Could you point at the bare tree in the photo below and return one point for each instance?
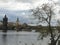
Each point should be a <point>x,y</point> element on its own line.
<point>44,14</point>
<point>58,25</point>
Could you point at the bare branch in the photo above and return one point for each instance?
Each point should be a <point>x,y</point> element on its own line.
<point>57,38</point>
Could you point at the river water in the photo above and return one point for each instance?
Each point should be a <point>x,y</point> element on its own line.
<point>18,38</point>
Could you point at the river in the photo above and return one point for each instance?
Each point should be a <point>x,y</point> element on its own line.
<point>18,38</point>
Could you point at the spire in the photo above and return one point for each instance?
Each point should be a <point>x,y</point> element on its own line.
<point>5,16</point>
<point>5,22</point>
<point>17,20</point>
<point>17,24</point>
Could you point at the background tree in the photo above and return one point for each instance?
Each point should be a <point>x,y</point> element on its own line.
<point>45,14</point>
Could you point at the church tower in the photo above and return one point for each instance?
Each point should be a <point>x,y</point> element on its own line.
<point>17,24</point>
<point>5,22</point>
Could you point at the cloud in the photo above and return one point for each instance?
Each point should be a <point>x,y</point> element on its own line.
<point>26,1</point>
<point>2,15</point>
<point>20,4</point>
<point>15,6</point>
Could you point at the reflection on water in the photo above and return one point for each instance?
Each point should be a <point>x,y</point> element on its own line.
<point>15,38</point>
<point>4,36</point>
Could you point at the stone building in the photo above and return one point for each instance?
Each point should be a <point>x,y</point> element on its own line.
<point>5,22</point>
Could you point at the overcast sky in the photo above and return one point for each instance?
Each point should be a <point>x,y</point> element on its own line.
<point>21,4</point>
<point>15,8</point>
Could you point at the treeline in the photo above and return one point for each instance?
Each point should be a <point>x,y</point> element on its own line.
<point>26,27</point>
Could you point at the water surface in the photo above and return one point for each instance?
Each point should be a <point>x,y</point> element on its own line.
<point>18,38</point>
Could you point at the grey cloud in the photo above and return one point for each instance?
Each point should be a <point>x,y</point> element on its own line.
<point>25,1</point>
<point>4,0</point>
<point>16,1</point>
<point>58,2</point>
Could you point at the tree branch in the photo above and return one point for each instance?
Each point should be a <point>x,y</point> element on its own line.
<point>57,38</point>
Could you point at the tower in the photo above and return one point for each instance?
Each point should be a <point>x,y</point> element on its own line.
<point>17,24</point>
<point>5,22</point>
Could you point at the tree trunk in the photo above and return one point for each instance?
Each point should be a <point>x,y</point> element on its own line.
<point>52,37</point>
